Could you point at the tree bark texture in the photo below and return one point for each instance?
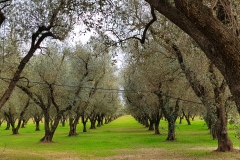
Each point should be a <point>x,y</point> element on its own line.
<point>171,118</point>
<point>170,115</point>
<point>15,128</point>
<point>73,130</point>
<point>47,137</point>
<point>15,131</point>
<point>73,122</point>
<point>171,130</point>
<point>224,143</point>
<point>220,128</point>
<point>48,128</point>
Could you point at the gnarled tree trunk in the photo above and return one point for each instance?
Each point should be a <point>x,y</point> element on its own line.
<point>224,143</point>
<point>93,124</point>
<point>171,130</point>
<point>73,122</point>
<point>15,131</point>
<point>47,137</point>
<point>170,115</point>
<point>73,127</point>
<point>171,118</point>
<point>72,130</point>
<point>48,127</point>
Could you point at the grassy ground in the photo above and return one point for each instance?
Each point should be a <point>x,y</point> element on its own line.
<point>123,138</point>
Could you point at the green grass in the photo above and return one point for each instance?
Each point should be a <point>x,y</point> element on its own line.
<point>122,137</point>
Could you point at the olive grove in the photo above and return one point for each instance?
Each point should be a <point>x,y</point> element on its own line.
<point>181,60</point>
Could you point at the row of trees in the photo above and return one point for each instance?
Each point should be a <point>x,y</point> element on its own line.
<point>181,84</point>
<point>62,83</point>
<point>59,82</point>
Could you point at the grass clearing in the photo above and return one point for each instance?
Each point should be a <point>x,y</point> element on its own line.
<point>123,138</point>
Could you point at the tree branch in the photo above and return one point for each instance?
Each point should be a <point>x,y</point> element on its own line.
<point>3,1</point>
<point>31,95</point>
<point>154,18</point>
<point>2,17</point>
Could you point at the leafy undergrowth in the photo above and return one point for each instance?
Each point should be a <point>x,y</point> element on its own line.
<point>123,138</point>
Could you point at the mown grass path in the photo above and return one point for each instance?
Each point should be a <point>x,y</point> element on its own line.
<point>123,138</point>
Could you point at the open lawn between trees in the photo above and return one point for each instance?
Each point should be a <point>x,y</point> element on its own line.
<point>122,139</point>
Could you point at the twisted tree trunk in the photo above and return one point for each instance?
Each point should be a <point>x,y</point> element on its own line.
<point>73,122</point>
<point>171,118</point>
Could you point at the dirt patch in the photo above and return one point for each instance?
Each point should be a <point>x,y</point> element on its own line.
<point>211,148</point>
<point>8,154</point>
<point>127,154</point>
<point>146,154</point>
<point>163,154</point>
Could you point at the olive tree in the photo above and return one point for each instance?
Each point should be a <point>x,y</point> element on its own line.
<point>44,74</point>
